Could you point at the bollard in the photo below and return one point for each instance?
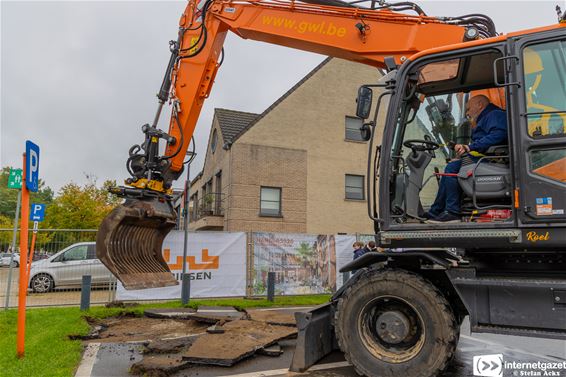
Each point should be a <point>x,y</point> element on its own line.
<point>345,277</point>
<point>85,292</point>
<point>185,289</point>
<point>270,286</point>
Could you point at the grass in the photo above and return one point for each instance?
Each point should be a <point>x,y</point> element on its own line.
<point>50,353</point>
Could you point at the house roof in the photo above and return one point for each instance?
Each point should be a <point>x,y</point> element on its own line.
<point>232,122</point>
<point>281,99</point>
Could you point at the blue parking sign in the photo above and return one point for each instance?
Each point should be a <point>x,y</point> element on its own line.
<point>32,166</point>
<point>37,212</point>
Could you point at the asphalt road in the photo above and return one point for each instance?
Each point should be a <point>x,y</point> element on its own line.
<point>114,360</point>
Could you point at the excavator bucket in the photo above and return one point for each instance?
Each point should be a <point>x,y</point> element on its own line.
<point>129,242</point>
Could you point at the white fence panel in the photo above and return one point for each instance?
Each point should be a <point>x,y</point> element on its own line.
<point>216,263</point>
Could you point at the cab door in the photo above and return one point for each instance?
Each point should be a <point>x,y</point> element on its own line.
<point>540,140</point>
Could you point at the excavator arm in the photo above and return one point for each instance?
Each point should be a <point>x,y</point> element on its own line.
<point>130,238</point>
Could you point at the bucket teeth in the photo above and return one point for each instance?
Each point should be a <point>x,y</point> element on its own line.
<point>129,243</point>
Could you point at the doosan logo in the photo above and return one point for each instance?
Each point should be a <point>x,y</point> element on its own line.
<point>488,365</point>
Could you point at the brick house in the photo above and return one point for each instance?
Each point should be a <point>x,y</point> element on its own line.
<point>298,167</point>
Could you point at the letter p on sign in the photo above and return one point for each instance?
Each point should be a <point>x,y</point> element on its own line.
<point>32,166</point>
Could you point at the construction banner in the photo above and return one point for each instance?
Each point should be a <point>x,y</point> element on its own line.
<point>303,263</point>
<point>216,263</point>
<point>344,255</point>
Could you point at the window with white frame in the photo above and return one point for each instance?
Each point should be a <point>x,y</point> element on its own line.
<point>270,201</point>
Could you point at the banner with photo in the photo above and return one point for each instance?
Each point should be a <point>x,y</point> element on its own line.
<point>303,263</point>
<point>216,263</point>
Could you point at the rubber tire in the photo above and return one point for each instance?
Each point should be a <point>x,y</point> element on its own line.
<point>15,264</point>
<point>49,288</point>
<point>440,326</point>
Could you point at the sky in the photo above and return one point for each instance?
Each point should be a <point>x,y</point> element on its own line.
<point>79,78</point>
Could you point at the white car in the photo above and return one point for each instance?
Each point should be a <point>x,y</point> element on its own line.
<point>67,267</point>
<point>5,259</point>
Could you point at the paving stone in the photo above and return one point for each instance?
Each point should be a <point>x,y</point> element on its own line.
<point>273,351</point>
<point>215,329</point>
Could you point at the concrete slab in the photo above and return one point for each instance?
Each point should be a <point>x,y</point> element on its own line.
<point>176,313</point>
<point>240,340</point>
<point>214,314</point>
<point>273,317</point>
<point>170,345</point>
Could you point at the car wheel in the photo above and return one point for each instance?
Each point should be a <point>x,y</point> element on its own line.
<point>15,264</point>
<point>42,283</point>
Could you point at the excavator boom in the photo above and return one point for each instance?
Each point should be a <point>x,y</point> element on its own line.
<point>130,238</point>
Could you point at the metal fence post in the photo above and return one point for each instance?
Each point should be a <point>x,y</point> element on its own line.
<point>185,288</point>
<point>85,292</point>
<point>270,286</point>
<point>249,264</point>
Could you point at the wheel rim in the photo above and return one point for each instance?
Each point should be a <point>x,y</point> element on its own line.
<point>391,329</point>
<point>41,283</point>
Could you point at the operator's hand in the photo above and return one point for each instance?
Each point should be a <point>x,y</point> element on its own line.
<point>461,149</point>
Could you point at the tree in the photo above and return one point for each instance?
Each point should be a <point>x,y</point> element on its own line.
<point>77,207</point>
<point>9,197</point>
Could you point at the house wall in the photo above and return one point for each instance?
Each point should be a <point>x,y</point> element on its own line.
<point>312,119</point>
<point>254,166</point>
<point>216,162</point>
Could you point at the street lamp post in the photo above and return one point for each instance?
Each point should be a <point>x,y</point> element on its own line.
<point>185,280</point>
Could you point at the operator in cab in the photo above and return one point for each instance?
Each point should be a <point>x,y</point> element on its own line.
<point>489,128</point>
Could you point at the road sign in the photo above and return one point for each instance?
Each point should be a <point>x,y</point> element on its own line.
<point>37,212</point>
<point>32,166</point>
<point>15,179</point>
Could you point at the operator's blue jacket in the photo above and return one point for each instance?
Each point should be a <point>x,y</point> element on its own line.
<point>491,129</point>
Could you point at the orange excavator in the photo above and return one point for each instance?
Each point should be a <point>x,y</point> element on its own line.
<point>130,238</point>
<point>501,263</point>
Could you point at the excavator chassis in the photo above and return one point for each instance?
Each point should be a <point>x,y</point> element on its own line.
<point>130,238</point>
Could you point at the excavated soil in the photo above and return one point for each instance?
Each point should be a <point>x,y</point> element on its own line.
<point>118,330</point>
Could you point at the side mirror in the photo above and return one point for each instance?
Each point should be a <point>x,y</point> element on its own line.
<point>364,102</point>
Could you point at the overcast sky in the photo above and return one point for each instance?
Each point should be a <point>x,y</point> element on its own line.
<point>79,78</point>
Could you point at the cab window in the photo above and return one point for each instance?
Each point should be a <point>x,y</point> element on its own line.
<point>545,88</point>
<point>76,253</point>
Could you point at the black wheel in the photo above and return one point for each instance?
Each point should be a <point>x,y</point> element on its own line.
<point>395,323</point>
<point>42,283</point>
<point>15,264</point>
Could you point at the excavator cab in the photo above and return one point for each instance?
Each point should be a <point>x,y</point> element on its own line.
<point>501,188</point>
